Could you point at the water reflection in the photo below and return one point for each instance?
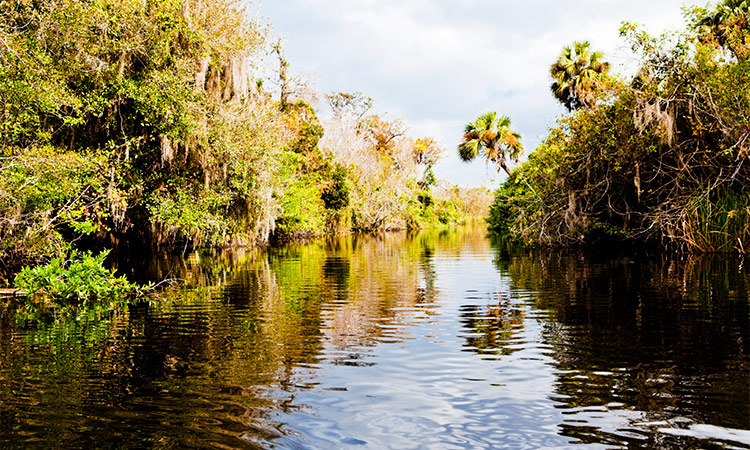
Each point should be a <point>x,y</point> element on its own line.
<point>428,340</point>
<point>494,329</point>
<point>662,337</point>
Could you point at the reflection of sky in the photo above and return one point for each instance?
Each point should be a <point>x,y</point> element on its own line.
<point>408,376</point>
<point>439,63</point>
<point>422,387</point>
<point>388,342</point>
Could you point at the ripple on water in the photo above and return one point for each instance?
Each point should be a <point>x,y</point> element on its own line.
<point>450,342</point>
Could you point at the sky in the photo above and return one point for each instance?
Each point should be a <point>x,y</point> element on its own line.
<point>438,64</point>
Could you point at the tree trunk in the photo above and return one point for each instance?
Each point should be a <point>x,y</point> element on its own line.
<point>502,164</point>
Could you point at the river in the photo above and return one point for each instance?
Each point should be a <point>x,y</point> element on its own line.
<point>431,340</point>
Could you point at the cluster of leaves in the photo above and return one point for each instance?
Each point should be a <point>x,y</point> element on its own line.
<point>313,192</point>
<point>42,188</point>
<point>78,281</point>
<point>448,204</point>
<point>127,121</point>
<point>662,158</point>
<point>336,195</point>
<point>491,136</point>
<point>578,73</point>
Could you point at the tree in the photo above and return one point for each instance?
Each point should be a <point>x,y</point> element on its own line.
<point>727,25</point>
<point>354,104</point>
<point>490,136</point>
<point>427,151</point>
<point>577,74</point>
<point>283,75</point>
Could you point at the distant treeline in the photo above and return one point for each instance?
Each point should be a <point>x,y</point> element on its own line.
<point>661,157</point>
<point>150,124</point>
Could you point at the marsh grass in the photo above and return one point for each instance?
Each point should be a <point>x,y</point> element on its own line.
<point>717,225</point>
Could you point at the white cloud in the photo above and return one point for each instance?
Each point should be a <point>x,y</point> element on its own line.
<point>439,63</point>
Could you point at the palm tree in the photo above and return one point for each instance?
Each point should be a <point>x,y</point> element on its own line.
<point>729,25</point>
<point>490,136</point>
<point>577,73</point>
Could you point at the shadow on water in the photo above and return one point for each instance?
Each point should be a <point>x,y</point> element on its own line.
<point>663,335</point>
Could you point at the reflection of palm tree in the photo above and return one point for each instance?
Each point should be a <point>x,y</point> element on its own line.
<point>577,72</point>
<point>490,136</point>
<point>493,329</point>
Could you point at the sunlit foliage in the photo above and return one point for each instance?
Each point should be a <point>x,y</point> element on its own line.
<point>665,160</point>
<point>144,124</point>
<point>491,137</point>
<point>578,74</point>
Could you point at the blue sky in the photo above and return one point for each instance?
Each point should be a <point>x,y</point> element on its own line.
<point>437,64</point>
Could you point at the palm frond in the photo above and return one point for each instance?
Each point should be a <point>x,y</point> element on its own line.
<point>486,121</point>
<point>469,150</point>
<point>577,74</point>
<point>490,136</point>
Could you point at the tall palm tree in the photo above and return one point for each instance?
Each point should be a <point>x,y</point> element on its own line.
<point>577,73</point>
<point>490,136</point>
<point>729,25</point>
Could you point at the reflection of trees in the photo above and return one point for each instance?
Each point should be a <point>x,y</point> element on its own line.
<point>215,359</point>
<point>380,285</point>
<point>664,336</point>
<point>493,329</point>
<point>495,326</point>
<point>208,267</point>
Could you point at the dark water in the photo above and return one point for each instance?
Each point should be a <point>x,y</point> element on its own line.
<point>437,341</point>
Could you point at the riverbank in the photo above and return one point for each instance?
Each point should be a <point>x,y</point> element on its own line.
<point>659,158</point>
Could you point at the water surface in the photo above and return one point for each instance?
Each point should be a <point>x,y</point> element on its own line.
<point>433,340</point>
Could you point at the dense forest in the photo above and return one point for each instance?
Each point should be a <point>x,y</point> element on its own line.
<point>156,126</point>
<point>659,158</point>
<point>144,124</point>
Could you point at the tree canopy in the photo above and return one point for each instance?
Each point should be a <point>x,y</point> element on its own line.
<point>577,74</point>
<point>664,160</point>
<point>491,137</point>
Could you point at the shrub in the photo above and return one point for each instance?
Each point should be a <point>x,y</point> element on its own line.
<point>78,281</point>
<point>336,194</point>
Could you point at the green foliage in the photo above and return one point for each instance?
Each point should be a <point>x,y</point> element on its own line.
<point>726,25</point>
<point>200,214</point>
<point>428,179</point>
<point>301,206</point>
<point>664,160</point>
<point>48,195</point>
<point>443,207</point>
<point>335,196</point>
<point>490,136</point>
<point>578,74</point>
<point>78,281</point>
<point>130,122</point>
<point>303,122</point>
<point>155,105</point>
<point>506,203</point>
<point>721,224</point>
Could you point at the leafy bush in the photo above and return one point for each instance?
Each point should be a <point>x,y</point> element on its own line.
<point>79,280</point>
<point>336,194</point>
<point>301,209</point>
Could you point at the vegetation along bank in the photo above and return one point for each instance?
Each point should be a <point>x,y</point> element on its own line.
<point>156,125</point>
<point>152,124</point>
<point>658,158</point>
